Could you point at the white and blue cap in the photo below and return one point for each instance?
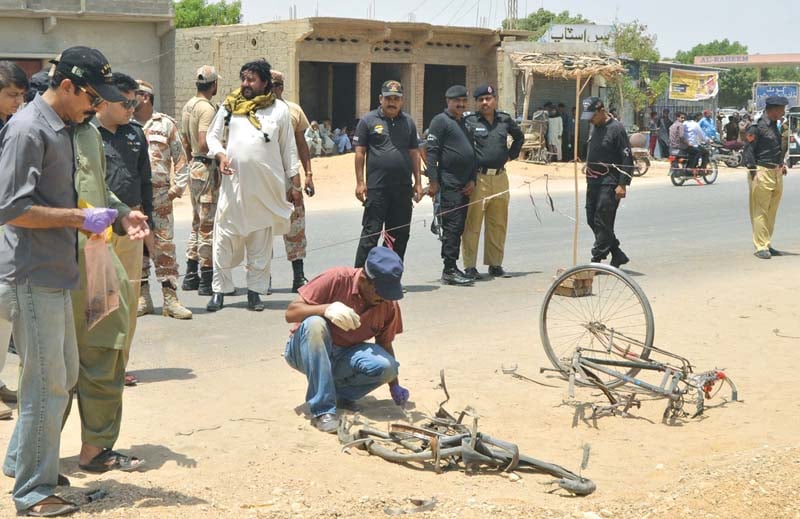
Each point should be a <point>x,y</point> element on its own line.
<point>385,269</point>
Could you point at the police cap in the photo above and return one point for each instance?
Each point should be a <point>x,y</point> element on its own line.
<point>485,90</point>
<point>776,101</point>
<point>456,91</point>
<point>590,106</point>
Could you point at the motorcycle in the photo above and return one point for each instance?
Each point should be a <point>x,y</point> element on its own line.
<point>731,157</point>
<point>679,173</point>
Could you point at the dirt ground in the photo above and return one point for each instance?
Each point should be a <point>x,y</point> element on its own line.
<point>222,444</point>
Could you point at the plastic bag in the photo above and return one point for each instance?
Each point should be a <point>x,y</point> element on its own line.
<point>102,285</point>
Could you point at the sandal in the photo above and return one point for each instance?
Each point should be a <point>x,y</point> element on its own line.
<point>52,506</point>
<point>130,379</point>
<point>121,462</point>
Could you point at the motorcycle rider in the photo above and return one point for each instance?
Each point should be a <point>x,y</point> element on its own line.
<point>732,141</point>
<point>708,126</point>
<point>696,137</point>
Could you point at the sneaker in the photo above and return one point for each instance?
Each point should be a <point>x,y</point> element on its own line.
<point>454,276</point>
<point>327,423</point>
<point>618,258</point>
<point>498,272</point>
<point>763,254</point>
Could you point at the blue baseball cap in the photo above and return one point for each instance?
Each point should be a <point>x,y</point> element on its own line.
<point>385,269</point>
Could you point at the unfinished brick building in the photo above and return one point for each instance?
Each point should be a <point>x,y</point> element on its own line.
<point>334,67</point>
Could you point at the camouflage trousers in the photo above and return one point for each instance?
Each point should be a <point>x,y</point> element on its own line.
<point>204,195</point>
<point>295,239</point>
<point>163,227</point>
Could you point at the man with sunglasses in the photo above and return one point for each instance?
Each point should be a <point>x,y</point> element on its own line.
<point>39,266</point>
<point>128,176</point>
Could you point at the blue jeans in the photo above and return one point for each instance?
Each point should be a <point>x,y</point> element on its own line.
<point>44,334</point>
<point>334,372</point>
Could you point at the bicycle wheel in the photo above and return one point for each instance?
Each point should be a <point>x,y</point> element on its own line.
<point>676,178</point>
<point>641,166</point>
<point>600,308</point>
<point>712,172</point>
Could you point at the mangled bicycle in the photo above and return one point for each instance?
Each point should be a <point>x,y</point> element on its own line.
<point>597,330</point>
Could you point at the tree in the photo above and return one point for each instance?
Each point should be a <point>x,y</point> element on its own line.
<point>633,41</point>
<point>197,13</point>
<point>538,21</point>
<point>736,84</point>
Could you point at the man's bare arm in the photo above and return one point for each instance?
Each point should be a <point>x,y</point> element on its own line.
<point>41,217</point>
<point>299,310</point>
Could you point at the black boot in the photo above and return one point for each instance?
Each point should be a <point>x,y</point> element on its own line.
<point>216,303</point>
<point>254,301</point>
<point>453,276</point>
<point>206,276</point>
<point>299,276</point>
<point>191,281</point>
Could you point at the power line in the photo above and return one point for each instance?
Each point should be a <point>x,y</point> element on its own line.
<point>451,2</point>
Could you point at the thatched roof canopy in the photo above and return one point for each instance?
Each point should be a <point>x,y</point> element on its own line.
<point>567,66</point>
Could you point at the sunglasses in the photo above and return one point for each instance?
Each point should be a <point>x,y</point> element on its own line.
<point>129,104</point>
<point>94,97</point>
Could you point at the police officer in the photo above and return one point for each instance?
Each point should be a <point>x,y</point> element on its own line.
<point>491,129</point>
<point>387,139</point>
<point>609,166</point>
<point>452,168</point>
<point>763,156</point>
<point>166,156</point>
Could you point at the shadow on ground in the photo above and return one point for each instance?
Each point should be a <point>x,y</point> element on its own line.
<point>148,376</point>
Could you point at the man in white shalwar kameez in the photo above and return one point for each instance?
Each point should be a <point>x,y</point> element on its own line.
<point>260,160</point>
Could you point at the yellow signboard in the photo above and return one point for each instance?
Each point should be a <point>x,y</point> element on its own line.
<point>692,85</point>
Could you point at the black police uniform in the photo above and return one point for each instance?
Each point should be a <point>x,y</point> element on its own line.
<point>128,172</point>
<point>608,144</point>
<point>491,152</point>
<point>389,173</point>
<point>451,162</point>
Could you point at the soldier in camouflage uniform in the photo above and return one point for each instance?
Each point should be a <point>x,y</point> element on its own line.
<point>295,240</point>
<point>204,181</point>
<point>166,156</point>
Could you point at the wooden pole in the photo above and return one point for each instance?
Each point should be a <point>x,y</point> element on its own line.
<point>527,102</point>
<point>575,169</point>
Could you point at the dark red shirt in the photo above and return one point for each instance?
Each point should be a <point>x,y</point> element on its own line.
<point>382,321</point>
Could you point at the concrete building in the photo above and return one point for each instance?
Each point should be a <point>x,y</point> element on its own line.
<point>334,67</point>
<point>133,34</point>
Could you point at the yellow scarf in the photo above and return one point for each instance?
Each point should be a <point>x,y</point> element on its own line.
<point>236,104</point>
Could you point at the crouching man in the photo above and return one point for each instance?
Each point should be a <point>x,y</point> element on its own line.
<point>336,314</point>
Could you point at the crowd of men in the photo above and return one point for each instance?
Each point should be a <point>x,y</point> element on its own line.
<point>88,165</point>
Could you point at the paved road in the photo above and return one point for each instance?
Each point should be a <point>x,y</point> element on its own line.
<point>670,233</point>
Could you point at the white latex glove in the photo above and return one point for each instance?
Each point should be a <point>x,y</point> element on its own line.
<point>342,316</point>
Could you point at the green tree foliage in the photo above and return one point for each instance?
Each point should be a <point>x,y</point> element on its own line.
<point>538,21</point>
<point>735,85</point>
<point>633,41</point>
<point>198,13</point>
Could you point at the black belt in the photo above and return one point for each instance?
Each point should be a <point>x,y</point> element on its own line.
<point>204,160</point>
<point>491,171</point>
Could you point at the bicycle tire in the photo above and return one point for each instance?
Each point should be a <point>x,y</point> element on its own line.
<point>553,327</point>
<point>709,178</point>
<point>676,178</point>
<point>641,166</point>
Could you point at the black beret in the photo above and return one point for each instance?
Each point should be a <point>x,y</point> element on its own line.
<point>485,90</point>
<point>456,91</point>
<point>777,101</point>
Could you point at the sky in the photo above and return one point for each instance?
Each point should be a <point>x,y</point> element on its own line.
<point>677,24</point>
